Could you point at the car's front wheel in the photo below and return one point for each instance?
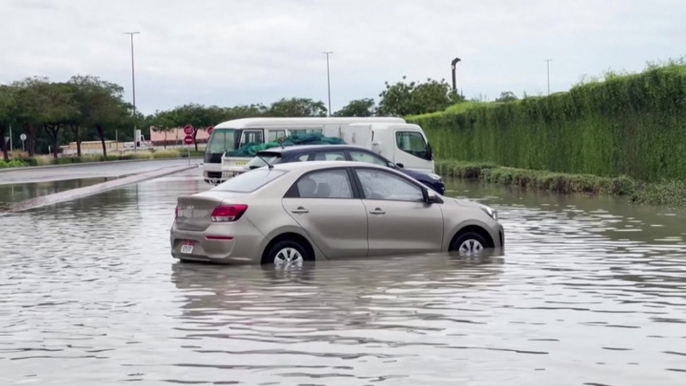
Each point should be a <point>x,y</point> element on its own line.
<point>287,253</point>
<point>469,244</point>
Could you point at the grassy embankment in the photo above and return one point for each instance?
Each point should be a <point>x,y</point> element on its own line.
<point>20,160</point>
<point>624,135</point>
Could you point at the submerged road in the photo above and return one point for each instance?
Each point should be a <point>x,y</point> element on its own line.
<point>86,171</point>
<point>589,292</point>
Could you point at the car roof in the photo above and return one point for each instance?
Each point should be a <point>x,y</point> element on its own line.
<point>305,148</point>
<point>315,165</point>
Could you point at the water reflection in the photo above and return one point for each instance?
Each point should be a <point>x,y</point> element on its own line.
<point>11,193</point>
<point>89,295</point>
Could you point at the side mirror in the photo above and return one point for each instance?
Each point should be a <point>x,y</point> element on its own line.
<point>431,197</point>
<point>400,166</point>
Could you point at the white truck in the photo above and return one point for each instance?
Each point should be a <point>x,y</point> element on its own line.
<point>394,138</point>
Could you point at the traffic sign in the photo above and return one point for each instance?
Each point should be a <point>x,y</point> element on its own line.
<point>188,129</point>
<point>209,130</point>
<point>22,137</point>
<point>188,140</point>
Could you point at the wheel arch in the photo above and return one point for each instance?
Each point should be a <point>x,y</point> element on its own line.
<point>476,228</point>
<point>294,236</point>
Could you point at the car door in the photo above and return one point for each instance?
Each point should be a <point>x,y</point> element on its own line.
<point>399,220</point>
<point>323,203</point>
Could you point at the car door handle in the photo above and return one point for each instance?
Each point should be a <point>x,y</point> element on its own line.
<point>377,211</point>
<point>300,210</point>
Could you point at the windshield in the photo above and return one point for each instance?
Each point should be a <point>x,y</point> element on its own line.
<point>222,140</point>
<point>413,143</point>
<point>250,181</point>
<point>258,162</point>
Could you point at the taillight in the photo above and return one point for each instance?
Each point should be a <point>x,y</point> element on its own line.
<point>228,213</point>
<point>176,212</point>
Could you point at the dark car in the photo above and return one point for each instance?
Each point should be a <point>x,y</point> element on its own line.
<point>339,153</point>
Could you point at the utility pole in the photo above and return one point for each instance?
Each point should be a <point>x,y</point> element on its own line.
<point>548,65</point>
<point>328,80</point>
<point>11,146</point>
<point>133,83</point>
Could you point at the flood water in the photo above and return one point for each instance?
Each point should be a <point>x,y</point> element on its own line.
<point>588,292</point>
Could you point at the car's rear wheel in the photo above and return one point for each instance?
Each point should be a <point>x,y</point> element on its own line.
<point>288,253</point>
<point>469,244</point>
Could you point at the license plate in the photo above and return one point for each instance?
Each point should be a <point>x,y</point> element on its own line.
<point>241,163</point>
<point>187,247</point>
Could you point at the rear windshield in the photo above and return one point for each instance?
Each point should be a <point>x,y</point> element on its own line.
<point>250,181</point>
<point>258,162</point>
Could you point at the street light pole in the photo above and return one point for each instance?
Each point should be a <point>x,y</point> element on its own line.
<point>453,66</point>
<point>548,66</point>
<point>133,83</point>
<point>328,80</point>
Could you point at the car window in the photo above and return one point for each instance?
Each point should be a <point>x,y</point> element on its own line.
<point>249,181</point>
<point>361,156</point>
<point>329,156</point>
<point>258,162</point>
<point>325,184</point>
<point>303,157</point>
<point>413,143</point>
<point>381,185</point>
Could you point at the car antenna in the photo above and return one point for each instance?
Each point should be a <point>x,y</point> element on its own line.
<point>270,166</point>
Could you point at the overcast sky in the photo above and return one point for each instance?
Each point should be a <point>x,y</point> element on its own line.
<point>229,52</point>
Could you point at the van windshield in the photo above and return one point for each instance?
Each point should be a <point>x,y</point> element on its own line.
<point>222,140</point>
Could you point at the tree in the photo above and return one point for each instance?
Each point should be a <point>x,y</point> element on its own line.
<point>297,107</point>
<point>101,105</point>
<point>358,108</point>
<point>402,99</point>
<point>162,121</point>
<point>7,115</point>
<point>59,109</point>
<point>507,96</point>
<point>30,100</point>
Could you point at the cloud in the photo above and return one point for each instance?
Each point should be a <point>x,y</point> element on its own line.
<point>232,52</point>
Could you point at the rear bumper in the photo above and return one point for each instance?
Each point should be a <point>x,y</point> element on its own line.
<point>243,247</point>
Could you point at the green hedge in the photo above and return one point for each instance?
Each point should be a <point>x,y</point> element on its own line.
<point>632,125</point>
<point>671,194</point>
<point>12,164</point>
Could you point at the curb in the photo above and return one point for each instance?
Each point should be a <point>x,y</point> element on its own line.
<point>3,170</point>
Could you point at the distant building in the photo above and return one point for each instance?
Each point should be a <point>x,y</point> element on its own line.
<point>174,137</point>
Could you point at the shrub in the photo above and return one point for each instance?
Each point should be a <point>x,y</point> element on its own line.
<point>12,164</point>
<point>630,125</point>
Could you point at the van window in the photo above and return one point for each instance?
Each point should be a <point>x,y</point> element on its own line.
<point>274,135</point>
<point>412,142</point>
<point>252,136</point>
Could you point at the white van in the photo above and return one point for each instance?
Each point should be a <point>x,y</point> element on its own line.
<point>393,138</point>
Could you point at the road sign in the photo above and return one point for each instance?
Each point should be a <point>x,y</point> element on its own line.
<point>188,140</point>
<point>209,130</point>
<point>22,137</point>
<point>188,129</point>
